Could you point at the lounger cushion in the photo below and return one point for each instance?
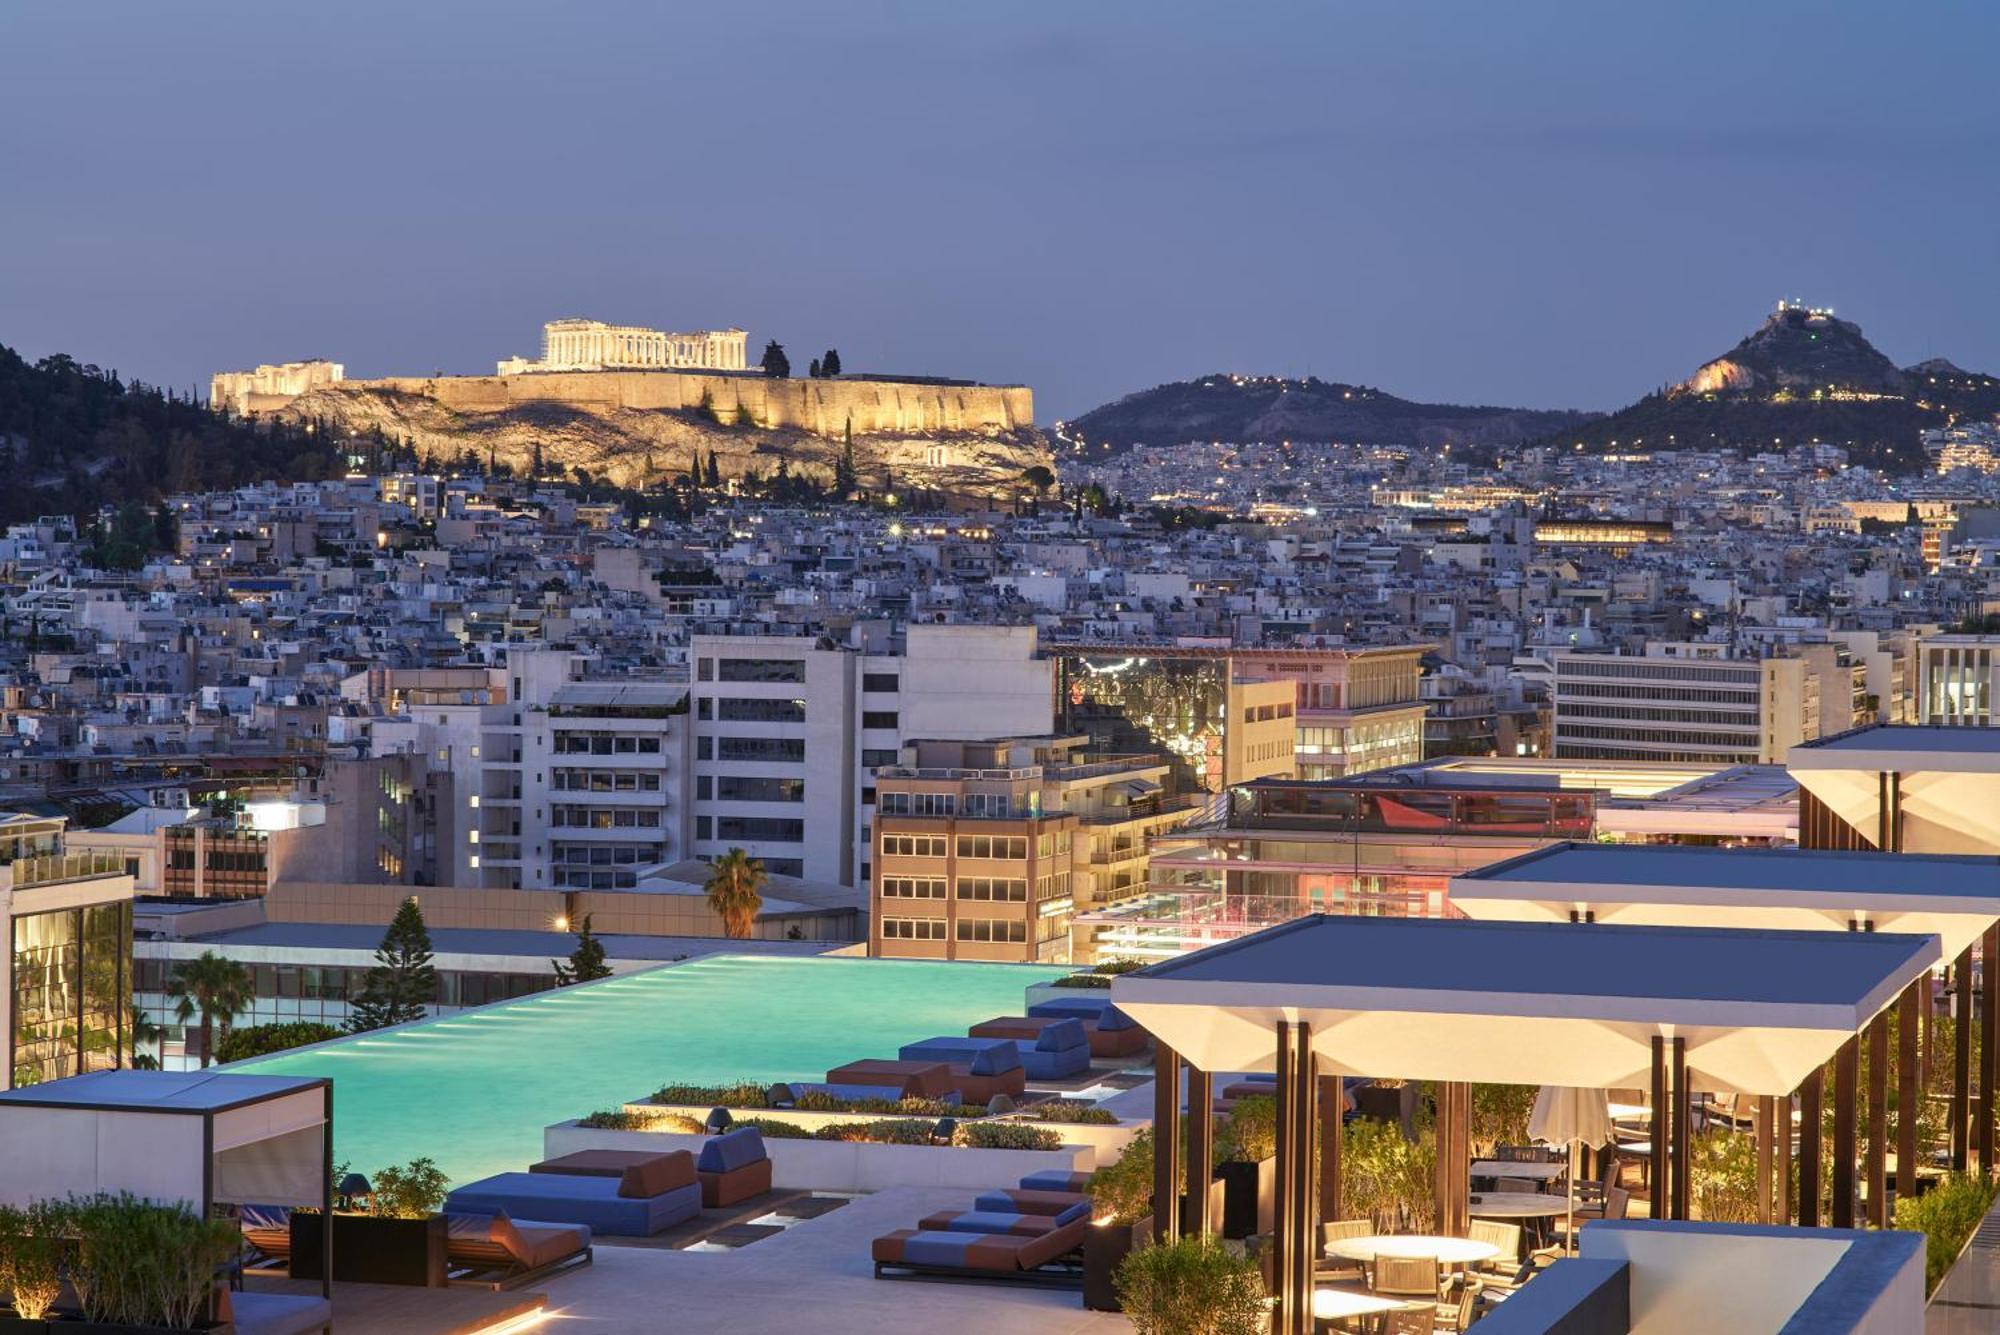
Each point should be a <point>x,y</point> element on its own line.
<point>1055,1179</point>
<point>561,1199</point>
<point>982,1056</point>
<point>534,1244</point>
<point>733,1150</point>
<point>254,1312</point>
<point>997,1252</point>
<point>659,1174</point>
<point>1092,1010</point>
<point>1012,1200</point>
<point>930,1078</point>
<point>987,1221</point>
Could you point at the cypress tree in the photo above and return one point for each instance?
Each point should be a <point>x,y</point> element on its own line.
<point>586,962</point>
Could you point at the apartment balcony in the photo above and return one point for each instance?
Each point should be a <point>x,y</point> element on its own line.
<point>61,869</point>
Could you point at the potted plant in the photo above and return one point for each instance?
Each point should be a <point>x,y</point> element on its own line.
<point>1122,1196</point>
<point>1246,1165</point>
<point>1193,1286</point>
<point>400,1240</point>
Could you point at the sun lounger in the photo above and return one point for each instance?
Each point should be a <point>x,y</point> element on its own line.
<point>645,1199</point>
<point>1017,1200</point>
<point>1052,1047</point>
<point>934,1253</point>
<point>1056,1179</point>
<point>980,1067</point>
<point>597,1163</point>
<point>268,1228</point>
<point>1111,1032</point>
<point>260,1313</point>
<point>925,1079</point>
<point>498,1252</point>
<point>990,1221</point>
<point>733,1167</point>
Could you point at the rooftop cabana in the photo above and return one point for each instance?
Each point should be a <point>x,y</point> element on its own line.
<point>1954,897</point>
<point>195,1137</point>
<point>1458,1002</point>
<point>1900,789</point>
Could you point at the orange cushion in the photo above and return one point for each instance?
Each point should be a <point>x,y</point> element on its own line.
<point>657,1175</point>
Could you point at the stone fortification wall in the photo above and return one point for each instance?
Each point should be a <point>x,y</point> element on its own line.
<point>822,407</point>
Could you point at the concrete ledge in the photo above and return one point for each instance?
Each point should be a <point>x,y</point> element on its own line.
<point>831,1165</point>
<point>1572,1297</point>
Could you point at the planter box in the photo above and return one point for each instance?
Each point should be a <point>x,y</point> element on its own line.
<point>1108,1140</point>
<point>1104,1246</point>
<point>76,1325</point>
<point>832,1165</point>
<point>1249,1196</point>
<point>372,1250</point>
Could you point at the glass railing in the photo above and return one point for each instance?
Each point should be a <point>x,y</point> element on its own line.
<point>56,868</point>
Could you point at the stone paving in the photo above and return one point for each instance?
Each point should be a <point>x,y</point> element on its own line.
<point>815,1277</point>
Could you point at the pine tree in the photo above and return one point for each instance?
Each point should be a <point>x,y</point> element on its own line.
<point>538,464</point>
<point>844,478</point>
<point>829,365</point>
<point>813,369</point>
<point>586,962</point>
<point>714,470</point>
<point>775,363</point>
<point>403,983</point>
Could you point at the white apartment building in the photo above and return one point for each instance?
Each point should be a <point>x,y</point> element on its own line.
<point>788,733</point>
<point>1688,702</point>
<point>1958,680</point>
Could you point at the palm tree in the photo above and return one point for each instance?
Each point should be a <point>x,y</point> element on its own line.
<point>734,889</point>
<point>145,1034</point>
<point>213,988</point>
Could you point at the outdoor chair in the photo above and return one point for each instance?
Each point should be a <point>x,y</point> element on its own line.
<point>1460,1309</point>
<point>1524,1185</point>
<point>641,1201</point>
<point>925,1253</point>
<point>1506,1240</point>
<point>496,1252</point>
<point>1407,1276</point>
<point>1338,1269</point>
<point>733,1168</point>
<point>1512,1153</point>
<point>1420,1322</point>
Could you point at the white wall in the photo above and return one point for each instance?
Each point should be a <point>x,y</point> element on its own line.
<point>1742,1283</point>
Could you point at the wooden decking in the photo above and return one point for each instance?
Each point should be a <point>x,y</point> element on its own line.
<point>394,1309</point>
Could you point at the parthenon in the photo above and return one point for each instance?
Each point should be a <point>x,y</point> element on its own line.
<point>592,345</point>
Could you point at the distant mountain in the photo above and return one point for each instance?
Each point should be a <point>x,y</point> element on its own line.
<point>75,436</point>
<point>1803,377</point>
<point>1241,408</point>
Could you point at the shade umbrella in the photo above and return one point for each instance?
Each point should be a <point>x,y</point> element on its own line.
<point>1570,1117</point>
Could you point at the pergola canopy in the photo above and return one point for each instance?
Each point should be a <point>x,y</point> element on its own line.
<point>1952,896</point>
<point>192,1136</point>
<point>1947,783</point>
<point>1527,1003</point>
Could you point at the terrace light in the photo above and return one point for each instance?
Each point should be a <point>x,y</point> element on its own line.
<point>718,1121</point>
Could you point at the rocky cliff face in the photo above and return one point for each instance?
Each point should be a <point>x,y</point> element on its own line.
<point>1802,351</point>
<point>638,446</point>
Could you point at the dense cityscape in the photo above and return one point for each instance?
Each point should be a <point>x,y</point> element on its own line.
<point>670,830</point>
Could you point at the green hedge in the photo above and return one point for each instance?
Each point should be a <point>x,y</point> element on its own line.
<point>260,1039</point>
<point>1946,1215</point>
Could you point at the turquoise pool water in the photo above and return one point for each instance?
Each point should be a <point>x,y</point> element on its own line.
<point>474,1090</point>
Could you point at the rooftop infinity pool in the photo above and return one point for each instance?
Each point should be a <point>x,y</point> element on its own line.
<point>474,1090</point>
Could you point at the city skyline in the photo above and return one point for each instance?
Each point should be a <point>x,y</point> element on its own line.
<point>1447,204</point>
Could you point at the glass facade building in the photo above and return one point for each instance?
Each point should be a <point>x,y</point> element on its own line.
<point>71,981</point>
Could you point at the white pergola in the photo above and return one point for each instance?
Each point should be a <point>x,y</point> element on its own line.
<point>1676,1009</point>
<point>1903,789</point>
<point>1953,897</point>
<point>189,1137</point>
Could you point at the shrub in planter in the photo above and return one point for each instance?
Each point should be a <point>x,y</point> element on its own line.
<point>773,1128</point>
<point>621,1119</point>
<point>1006,1136</point>
<point>140,1264</point>
<point>1251,1133</point>
<point>31,1257</point>
<point>414,1191</point>
<point>1122,1192</point>
<point>1192,1286</point>
<point>894,1131</point>
<point>1725,1177</point>
<point>741,1094</point>
<point>1072,1112</point>
<point>1946,1216</point>
<point>1383,1176</point>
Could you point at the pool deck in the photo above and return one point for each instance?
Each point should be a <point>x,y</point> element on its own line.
<point>816,1275</point>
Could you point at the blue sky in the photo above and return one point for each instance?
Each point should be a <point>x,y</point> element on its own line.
<point>1530,203</point>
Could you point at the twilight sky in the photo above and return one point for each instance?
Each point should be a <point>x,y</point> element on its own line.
<point>1526,203</point>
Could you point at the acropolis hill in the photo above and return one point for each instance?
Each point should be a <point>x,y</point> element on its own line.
<point>632,424</point>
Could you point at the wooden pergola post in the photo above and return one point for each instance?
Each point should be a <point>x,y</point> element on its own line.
<point>1846,1093</point>
<point>1196,1218</point>
<point>1683,1141</point>
<point>1661,1112</point>
<point>1767,1130</point>
<point>1878,1121</point>
<point>1810,1097</point>
<point>1989,1050</point>
<point>1166,1142</point>
<point>1452,1183</point>
<point>1292,1245</point>
<point>1909,1083</point>
<point>1332,1112</point>
<point>1961,1088</point>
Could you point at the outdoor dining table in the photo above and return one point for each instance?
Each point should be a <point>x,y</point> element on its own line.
<point>1447,1251</point>
<point>1343,1305</point>
<point>1532,1170</point>
<point>1517,1205</point>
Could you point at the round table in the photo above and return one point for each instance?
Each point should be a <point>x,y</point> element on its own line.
<point>1532,1171</point>
<point>1518,1205</point>
<point>1339,1304</point>
<point>1446,1251</point>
